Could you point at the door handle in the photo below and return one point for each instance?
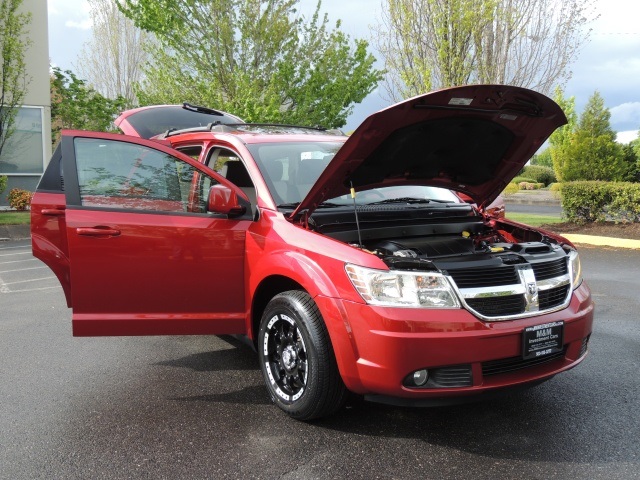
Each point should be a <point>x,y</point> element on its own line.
<point>54,212</point>
<point>97,232</point>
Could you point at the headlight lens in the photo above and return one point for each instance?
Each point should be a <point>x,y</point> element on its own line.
<point>402,289</point>
<point>576,269</point>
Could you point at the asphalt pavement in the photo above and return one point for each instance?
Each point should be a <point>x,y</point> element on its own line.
<point>196,407</point>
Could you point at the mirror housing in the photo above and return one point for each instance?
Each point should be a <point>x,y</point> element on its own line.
<point>224,200</point>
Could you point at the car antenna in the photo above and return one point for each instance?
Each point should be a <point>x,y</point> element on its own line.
<point>355,211</point>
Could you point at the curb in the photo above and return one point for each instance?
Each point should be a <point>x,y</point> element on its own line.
<point>602,241</point>
<point>15,232</point>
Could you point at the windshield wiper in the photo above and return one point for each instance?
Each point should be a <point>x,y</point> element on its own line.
<point>405,200</point>
<point>288,205</point>
<point>322,205</point>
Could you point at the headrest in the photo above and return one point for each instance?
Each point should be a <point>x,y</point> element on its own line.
<point>236,173</point>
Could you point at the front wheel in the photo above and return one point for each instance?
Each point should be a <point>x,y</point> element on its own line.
<point>297,359</point>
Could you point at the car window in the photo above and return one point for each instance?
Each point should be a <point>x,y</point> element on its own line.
<point>191,150</point>
<point>129,176</point>
<point>291,168</point>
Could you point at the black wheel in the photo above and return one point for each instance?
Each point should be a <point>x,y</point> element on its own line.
<point>297,359</point>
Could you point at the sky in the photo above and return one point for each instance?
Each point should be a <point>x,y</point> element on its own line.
<point>609,62</point>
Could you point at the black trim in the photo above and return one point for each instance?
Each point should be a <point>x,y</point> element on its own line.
<point>72,188</point>
<point>469,397</point>
<point>51,181</point>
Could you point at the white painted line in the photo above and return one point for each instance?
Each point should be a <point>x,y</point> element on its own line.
<point>14,247</point>
<point>32,289</point>
<point>22,269</point>
<point>15,253</point>
<point>25,281</point>
<point>19,261</point>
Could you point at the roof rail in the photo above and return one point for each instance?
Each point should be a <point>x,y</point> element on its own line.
<point>219,127</point>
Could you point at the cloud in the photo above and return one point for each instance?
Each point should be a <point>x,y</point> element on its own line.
<point>84,24</point>
<point>626,137</point>
<point>628,112</point>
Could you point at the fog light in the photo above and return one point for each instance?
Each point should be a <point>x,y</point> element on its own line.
<point>420,377</point>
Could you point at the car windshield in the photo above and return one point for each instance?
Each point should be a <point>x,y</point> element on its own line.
<point>291,168</point>
<point>399,194</point>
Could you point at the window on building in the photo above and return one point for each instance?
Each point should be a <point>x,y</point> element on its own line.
<point>23,153</point>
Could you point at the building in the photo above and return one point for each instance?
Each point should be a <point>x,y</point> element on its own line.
<point>28,151</point>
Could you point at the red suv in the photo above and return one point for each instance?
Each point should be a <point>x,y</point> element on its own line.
<point>348,262</point>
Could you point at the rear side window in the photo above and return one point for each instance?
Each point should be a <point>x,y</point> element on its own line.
<point>129,176</point>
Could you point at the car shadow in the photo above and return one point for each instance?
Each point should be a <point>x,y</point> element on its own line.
<point>239,357</point>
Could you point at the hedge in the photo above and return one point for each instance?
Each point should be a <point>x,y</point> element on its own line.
<point>539,174</point>
<point>596,201</point>
<point>523,179</point>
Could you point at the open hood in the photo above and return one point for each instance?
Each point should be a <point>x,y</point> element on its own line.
<point>472,139</point>
<point>147,122</point>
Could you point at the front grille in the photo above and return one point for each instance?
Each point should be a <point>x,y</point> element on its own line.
<point>484,277</point>
<point>553,297</point>
<point>553,269</point>
<point>498,306</point>
<point>506,365</point>
<point>449,377</point>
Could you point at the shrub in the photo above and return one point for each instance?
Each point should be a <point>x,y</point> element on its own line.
<point>510,189</point>
<point>19,199</point>
<point>555,187</point>
<point>539,174</point>
<point>3,182</point>
<point>595,201</point>
<point>530,186</point>
<point>520,179</point>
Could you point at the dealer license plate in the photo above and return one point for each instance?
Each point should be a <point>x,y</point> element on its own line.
<point>542,340</point>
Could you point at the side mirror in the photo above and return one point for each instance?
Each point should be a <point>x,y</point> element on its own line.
<point>224,200</point>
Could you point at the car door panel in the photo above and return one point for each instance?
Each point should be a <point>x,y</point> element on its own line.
<point>143,264</point>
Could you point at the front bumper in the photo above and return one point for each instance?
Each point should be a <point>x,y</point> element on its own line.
<point>390,343</point>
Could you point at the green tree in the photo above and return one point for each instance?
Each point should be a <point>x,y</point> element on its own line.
<point>561,137</point>
<point>591,152</point>
<point>112,60</point>
<point>543,158</point>
<point>428,44</point>
<point>257,59</point>
<point>13,75</point>
<point>631,160</point>
<point>74,105</point>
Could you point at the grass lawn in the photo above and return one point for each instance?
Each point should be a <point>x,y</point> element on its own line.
<point>15,218</point>
<point>532,219</point>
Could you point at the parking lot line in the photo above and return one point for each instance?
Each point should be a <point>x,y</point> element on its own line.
<point>15,253</point>
<point>20,261</point>
<point>22,269</point>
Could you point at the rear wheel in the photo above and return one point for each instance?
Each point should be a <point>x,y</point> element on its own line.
<point>297,359</point>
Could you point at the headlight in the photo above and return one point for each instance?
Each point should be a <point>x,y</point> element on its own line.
<point>576,269</point>
<point>402,289</point>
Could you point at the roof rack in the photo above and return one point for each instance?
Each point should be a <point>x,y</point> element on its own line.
<point>220,127</point>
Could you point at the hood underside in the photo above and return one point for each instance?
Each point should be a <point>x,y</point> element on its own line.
<point>472,139</point>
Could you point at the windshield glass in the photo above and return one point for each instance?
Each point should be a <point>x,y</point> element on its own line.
<point>291,168</point>
<point>400,194</point>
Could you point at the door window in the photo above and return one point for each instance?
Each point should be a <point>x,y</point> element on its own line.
<point>130,176</point>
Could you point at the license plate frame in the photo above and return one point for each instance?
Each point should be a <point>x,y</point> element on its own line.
<point>539,341</point>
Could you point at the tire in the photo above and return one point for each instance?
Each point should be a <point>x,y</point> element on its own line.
<point>297,359</point>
